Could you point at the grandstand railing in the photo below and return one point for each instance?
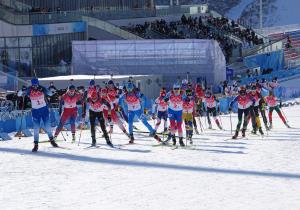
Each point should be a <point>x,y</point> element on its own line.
<point>20,18</point>
<point>264,48</point>
<point>109,28</point>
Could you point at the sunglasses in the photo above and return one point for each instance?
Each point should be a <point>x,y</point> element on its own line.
<point>176,88</point>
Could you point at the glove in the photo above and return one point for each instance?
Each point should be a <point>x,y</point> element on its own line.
<point>145,111</point>
<point>109,117</point>
<point>280,104</point>
<point>230,109</point>
<point>153,116</point>
<point>119,109</point>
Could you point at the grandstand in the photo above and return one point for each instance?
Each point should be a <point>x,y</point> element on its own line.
<point>292,52</point>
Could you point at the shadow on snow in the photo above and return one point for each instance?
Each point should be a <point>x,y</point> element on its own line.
<point>140,164</point>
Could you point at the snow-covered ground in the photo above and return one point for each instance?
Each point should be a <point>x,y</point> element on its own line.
<point>219,173</point>
<point>276,12</point>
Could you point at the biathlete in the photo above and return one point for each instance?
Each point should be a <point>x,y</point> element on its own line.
<point>40,111</point>
<point>135,103</point>
<point>69,102</point>
<point>159,110</point>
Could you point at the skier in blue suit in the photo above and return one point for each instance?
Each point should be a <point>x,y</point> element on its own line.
<point>40,111</point>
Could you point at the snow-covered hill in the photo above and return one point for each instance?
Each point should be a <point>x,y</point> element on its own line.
<point>217,173</point>
<point>275,12</point>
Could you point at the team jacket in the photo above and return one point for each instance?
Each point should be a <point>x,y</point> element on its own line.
<point>271,101</point>
<point>211,102</point>
<point>95,106</point>
<point>175,102</point>
<point>69,102</point>
<point>160,104</point>
<point>134,100</point>
<point>188,105</point>
<point>244,102</point>
<point>90,90</point>
<point>112,95</point>
<point>257,97</point>
<point>37,96</point>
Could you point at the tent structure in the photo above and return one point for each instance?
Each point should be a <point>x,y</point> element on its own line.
<point>171,58</point>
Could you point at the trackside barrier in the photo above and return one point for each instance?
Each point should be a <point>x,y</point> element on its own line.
<point>11,121</point>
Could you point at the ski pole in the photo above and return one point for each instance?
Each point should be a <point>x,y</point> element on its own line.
<point>221,121</point>
<point>21,125</point>
<point>80,134</point>
<point>205,119</point>
<point>63,136</point>
<point>201,126</point>
<point>283,114</point>
<point>230,122</point>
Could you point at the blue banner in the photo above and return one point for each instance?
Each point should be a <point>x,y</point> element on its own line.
<point>59,28</point>
<point>273,60</point>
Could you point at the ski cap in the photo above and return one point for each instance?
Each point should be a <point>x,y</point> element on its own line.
<point>129,87</point>
<point>92,82</point>
<point>110,82</point>
<point>71,87</point>
<point>35,81</point>
<point>163,92</point>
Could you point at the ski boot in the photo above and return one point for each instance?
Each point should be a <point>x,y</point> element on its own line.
<point>93,142</point>
<point>108,142</point>
<point>35,147</point>
<point>131,139</point>
<point>53,143</point>
<point>235,135</point>
<point>287,125</point>
<point>209,126</point>
<point>261,131</point>
<point>270,126</point>
<point>73,138</point>
<point>174,140</point>
<point>244,132</point>
<point>190,140</point>
<point>157,138</point>
<point>196,131</point>
<point>254,131</point>
<point>267,127</point>
<point>153,133</point>
<point>181,142</point>
<point>168,139</point>
<point>220,127</point>
<point>127,134</point>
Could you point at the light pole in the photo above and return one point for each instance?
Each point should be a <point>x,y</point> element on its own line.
<point>260,15</point>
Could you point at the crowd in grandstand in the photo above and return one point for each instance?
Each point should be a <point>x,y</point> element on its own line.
<point>203,27</point>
